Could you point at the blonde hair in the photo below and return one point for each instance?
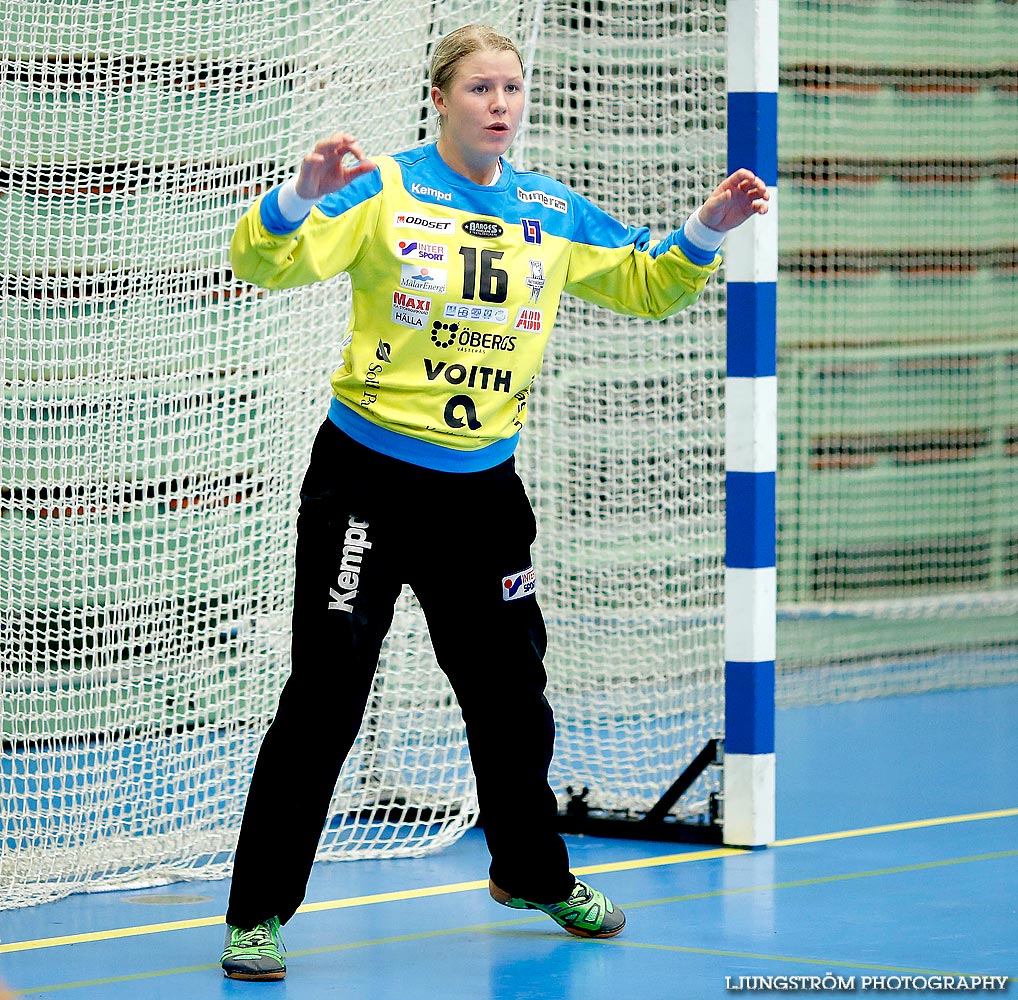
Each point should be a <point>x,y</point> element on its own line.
<point>462,42</point>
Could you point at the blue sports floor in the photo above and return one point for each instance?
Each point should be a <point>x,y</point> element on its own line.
<point>897,856</point>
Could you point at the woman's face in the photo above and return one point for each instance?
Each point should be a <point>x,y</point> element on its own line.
<point>482,106</point>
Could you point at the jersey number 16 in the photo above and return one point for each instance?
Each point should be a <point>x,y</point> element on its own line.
<point>494,282</point>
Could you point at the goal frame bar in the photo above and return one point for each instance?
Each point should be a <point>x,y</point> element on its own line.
<point>751,434</point>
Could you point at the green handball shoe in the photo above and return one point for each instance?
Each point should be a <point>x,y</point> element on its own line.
<point>586,913</point>
<point>254,953</point>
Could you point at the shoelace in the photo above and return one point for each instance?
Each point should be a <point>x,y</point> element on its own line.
<point>580,894</point>
<point>258,937</point>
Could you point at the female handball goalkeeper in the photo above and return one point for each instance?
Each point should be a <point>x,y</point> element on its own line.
<point>457,263</point>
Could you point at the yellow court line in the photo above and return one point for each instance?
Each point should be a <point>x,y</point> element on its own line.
<point>917,824</point>
<point>393,897</point>
<point>455,887</point>
<point>825,879</point>
<point>664,859</point>
<point>444,890</point>
<point>508,925</point>
<point>337,904</point>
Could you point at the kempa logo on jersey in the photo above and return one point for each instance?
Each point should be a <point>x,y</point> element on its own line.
<point>405,220</point>
<point>425,279</point>
<point>410,310</point>
<point>430,192</point>
<point>528,320</point>
<point>543,198</point>
<point>479,314</point>
<point>435,253</point>
<point>355,544</point>
<point>517,585</point>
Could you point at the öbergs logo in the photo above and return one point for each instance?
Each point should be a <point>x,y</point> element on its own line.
<point>482,229</point>
<point>517,585</point>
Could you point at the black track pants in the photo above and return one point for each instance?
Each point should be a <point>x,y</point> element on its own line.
<point>367,525</point>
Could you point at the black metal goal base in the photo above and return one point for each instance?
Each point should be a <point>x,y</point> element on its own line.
<point>657,823</point>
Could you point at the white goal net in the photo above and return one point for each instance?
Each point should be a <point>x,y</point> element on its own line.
<point>158,413</point>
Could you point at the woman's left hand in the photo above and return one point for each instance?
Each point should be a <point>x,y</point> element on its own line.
<point>734,200</point>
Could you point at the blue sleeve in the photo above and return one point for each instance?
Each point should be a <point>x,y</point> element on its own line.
<point>359,190</point>
<point>272,219</point>
<point>692,252</point>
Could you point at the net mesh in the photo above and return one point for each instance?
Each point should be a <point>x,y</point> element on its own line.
<point>898,468</point>
<point>158,415</point>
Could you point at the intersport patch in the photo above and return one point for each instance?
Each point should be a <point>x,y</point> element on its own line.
<point>517,585</point>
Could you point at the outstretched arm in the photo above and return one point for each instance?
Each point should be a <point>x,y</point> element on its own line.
<point>661,282</point>
<point>278,243</point>
<point>738,197</point>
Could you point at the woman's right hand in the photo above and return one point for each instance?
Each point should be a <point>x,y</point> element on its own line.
<point>323,170</point>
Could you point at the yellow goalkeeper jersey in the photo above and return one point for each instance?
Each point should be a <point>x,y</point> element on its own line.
<point>456,287</point>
